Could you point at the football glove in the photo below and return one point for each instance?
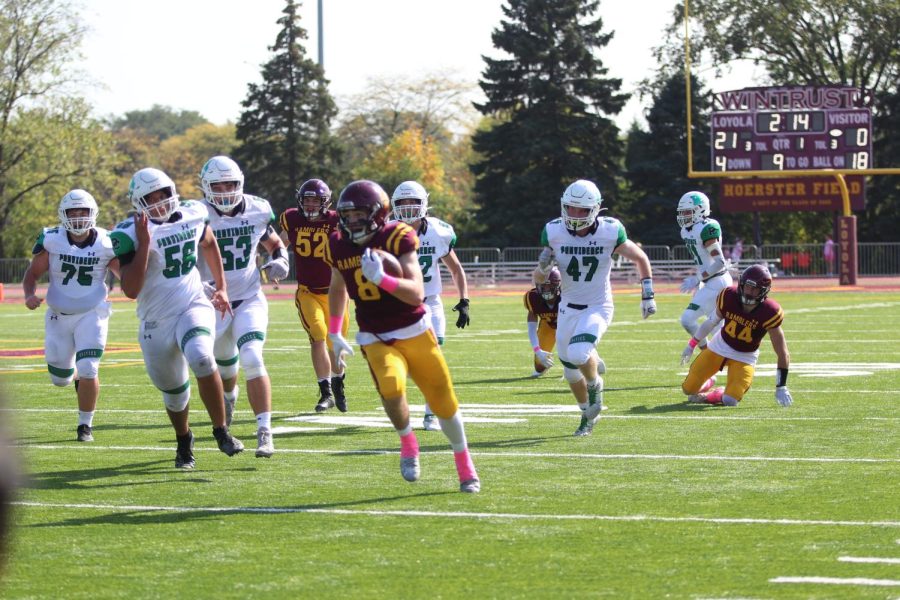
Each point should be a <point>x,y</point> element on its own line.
<point>340,347</point>
<point>544,357</point>
<point>463,308</point>
<point>783,396</point>
<point>372,268</point>
<point>648,307</point>
<point>545,260</point>
<point>278,268</point>
<point>690,284</point>
<point>686,354</point>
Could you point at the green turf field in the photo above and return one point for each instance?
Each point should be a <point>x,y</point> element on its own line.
<point>663,500</point>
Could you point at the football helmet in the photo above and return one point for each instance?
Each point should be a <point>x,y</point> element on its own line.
<point>368,198</point>
<point>692,209</point>
<point>756,276</point>
<point>314,188</point>
<point>409,212</point>
<point>221,169</point>
<point>581,194</point>
<point>145,182</point>
<point>81,224</point>
<point>550,288</point>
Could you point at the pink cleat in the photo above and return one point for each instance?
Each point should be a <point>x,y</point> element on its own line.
<point>709,383</point>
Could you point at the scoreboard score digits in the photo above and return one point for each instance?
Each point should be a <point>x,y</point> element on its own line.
<point>785,128</point>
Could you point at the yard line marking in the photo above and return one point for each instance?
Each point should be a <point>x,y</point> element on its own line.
<point>837,580</point>
<point>869,559</point>
<point>457,514</point>
<point>564,455</point>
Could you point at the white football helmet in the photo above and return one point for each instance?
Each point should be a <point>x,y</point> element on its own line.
<point>409,212</point>
<point>581,194</point>
<point>692,208</point>
<point>78,199</point>
<point>216,170</point>
<point>146,181</point>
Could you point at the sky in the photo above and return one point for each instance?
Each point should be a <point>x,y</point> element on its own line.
<point>201,54</point>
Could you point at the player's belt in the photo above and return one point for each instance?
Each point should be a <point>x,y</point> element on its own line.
<point>236,303</point>
<point>719,274</point>
<point>577,306</point>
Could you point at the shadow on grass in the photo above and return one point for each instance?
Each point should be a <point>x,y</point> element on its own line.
<point>668,408</point>
<point>85,479</point>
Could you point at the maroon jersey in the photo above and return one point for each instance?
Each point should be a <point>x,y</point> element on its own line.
<point>744,331</point>
<point>309,239</point>
<point>537,306</point>
<point>376,310</point>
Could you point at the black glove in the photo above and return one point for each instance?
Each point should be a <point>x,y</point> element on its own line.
<point>463,308</point>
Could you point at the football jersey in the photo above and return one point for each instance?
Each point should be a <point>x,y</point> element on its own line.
<point>172,281</point>
<point>695,238</point>
<point>77,273</point>
<point>539,307</point>
<point>376,310</point>
<point>585,262</point>
<point>436,240</point>
<point>238,236</point>
<point>741,332</point>
<point>309,240</point>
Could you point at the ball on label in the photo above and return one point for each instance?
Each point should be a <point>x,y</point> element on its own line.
<point>389,261</point>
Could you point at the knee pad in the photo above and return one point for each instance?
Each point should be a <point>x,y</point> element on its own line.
<point>177,402</point>
<point>229,370</point>
<point>580,353</point>
<point>88,368</point>
<point>199,354</point>
<point>252,360</point>
<point>572,375</point>
<point>61,381</point>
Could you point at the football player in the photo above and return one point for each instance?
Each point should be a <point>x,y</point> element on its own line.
<point>77,255</point>
<point>583,244</point>
<point>240,223</point>
<point>409,203</point>
<point>306,228</point>
<point>394,332</point>
<point>542,303</point>
<point>703,238</point>
<point>157,248</point>
<point>747,314</point>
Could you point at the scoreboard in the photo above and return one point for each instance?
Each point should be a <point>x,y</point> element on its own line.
<point>789,128</point>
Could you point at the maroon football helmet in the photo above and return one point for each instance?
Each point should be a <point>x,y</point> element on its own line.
<point>550,288</point>
<point>756,276</point>
<point>314,188</point>
<point>370,204</point>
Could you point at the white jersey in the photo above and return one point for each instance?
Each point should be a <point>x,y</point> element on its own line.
<point>695,238</point>
<point>172,282</point>
<point>77,272</point>
<point>238,236</point>
<point>436,240</point>
<point>585,262</point>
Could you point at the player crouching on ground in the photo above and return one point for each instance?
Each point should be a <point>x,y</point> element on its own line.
<point>748,315</point>
<point>395,336</point>
<point>542,303</point>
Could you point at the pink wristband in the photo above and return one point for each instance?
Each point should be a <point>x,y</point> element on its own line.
<point>537,348</point>
<point>693,343</point>
<point>389,283</point>
<point>335,323</point>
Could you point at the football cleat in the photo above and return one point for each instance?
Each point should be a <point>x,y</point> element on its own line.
<point>714,397</point>
<point>707,385</point>
<point>265,448</point>
<point>227,443</point>
<point>84,433</point>
<point>337,386</point>
<point>470,486</point>
<point>184,453</point>
<point>430,423</point>
<point>585,428</point>
<point>409,468</point>
<point>326,400</point>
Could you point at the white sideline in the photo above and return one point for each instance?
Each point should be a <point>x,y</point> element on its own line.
<point>869,559</point>
<point>455,514</point>
<point>837,580</point>
<point>564,455</point>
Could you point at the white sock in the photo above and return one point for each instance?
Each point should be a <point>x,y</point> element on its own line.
<point>597,383</point>
<point>232,395</point>
<point>583,406</point>
<point>333,375</point>
<point>86,418</point>
<point>264,420</point>
<point>405,431</point>
<point>428,410</point>
<point>455,431</point>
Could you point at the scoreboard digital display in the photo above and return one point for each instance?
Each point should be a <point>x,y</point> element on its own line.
<point>789,128</point>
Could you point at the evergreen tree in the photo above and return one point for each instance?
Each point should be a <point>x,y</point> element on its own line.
<point>284,129</point>
<point>878,223</point>
<point>549,101</point>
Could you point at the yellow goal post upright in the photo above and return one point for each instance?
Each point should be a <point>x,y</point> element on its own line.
<point>848,265</point>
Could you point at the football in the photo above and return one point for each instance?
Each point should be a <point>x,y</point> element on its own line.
<point>389,261</point>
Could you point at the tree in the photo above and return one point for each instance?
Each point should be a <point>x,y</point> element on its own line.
<point>160,122</point>
<point>879,220</point>
<point>549,103</point>
<point>48,141</point>
<point>284,129</point>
